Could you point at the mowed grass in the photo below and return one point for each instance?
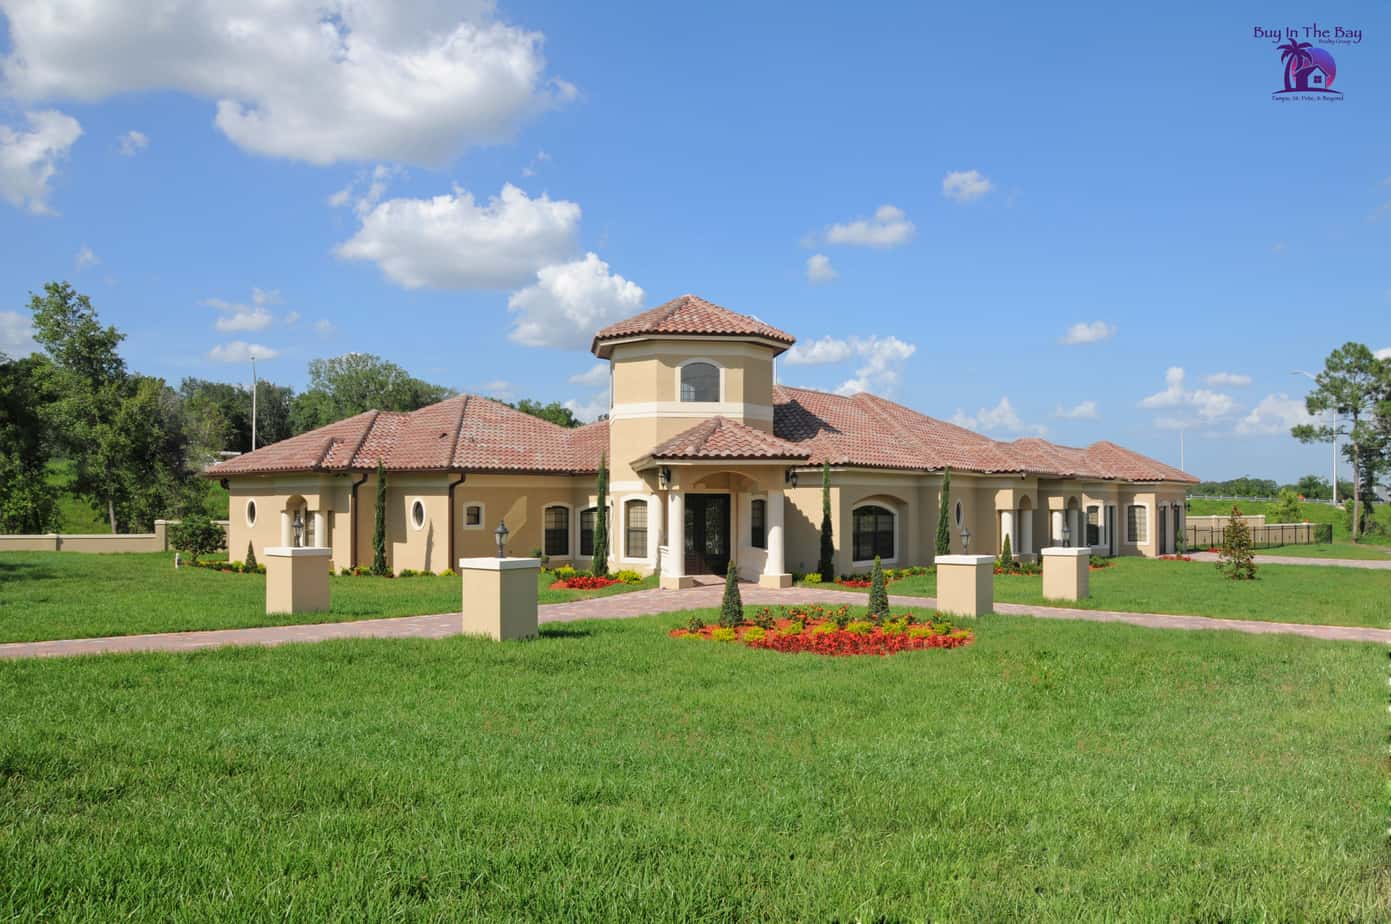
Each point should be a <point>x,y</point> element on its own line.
<point>1052,771</point>
<point>1282,593</point>
<point>1354,551</point>
<point>51,595</point>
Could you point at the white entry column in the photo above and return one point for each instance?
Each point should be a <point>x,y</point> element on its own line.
<point>774,567</point>
<point>1057,537</point>
<point>319,537</point>
<point>1007,529</point>
<point>286,540</point>
<point>674,564</point>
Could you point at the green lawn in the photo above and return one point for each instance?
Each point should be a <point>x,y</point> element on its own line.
<point>48,595</point>
<point>1052,771</point>
<point>1282,593</point>
<point>1356,551</point>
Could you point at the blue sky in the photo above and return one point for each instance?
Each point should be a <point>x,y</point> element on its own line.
<point>949,194</point>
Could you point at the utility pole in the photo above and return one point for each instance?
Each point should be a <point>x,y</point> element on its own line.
<point>253,403</point>
<point>1332,429</point>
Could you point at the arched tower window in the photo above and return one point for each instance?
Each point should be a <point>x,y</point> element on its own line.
<point>700,382</point>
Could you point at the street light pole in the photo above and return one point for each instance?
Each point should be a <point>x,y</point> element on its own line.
<point>253,403</point>
<point>1333,431</point>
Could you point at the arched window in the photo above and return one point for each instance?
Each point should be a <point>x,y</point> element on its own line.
<point>587,520</point>
<point>557,530</point>
<point>758,524</point>
<point>635,529</point>
<point>700,382</point>
<point>251,513</point>
<point>873,533</point>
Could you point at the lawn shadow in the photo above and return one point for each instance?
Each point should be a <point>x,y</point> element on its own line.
<point>24,571</point>
<point>563,630</point>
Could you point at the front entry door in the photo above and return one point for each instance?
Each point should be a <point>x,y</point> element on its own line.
<point>707,533</point>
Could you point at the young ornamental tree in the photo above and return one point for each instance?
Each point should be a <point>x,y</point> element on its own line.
<point>1006,553</point>
<point>250,556</point>
<point>1236,560</point>
<point>878,593</point>
<point>379,567</point>
<point>732,606</point>
<point>600,564</point>
<point>943,518</point>
<point>197,535</point>
<point>827,562</point>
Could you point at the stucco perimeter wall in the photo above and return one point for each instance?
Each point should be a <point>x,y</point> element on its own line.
<point>157,541</point>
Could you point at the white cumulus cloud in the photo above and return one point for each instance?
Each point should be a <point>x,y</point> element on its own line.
<point>889,227</point>
<point>132,143</point>
<point>453,242</point>
<point>29,157</point>
<point>312,80</point>
<point>1275,414</point>
<point>1227,379</point>
<point>881,369</point>
<point>819,268</point>
<point>86,257</point>
<point>1383,353</point>
<point>965,185</point>
<point>597,374</point>
<point>589,411</point>
<point>1209,405</point>
<point>239,351</point>
<point>569,302</point>
<point>1086,410</point>
<point>16,334</point>
<point>1002,418</point>
<point>819,352</point>
<point>1094,332</point>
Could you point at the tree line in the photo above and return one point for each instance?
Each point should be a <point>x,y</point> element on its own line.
<point>74,419</point>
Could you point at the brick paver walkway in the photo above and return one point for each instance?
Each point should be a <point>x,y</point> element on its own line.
<point>1264,559</point>
<point>637,603</point>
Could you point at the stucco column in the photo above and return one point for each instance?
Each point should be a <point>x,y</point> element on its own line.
<point>319,542</point>
<point>774,568</point>
<point>1074,523</point>
<point>286,540</point>
<point>1026,533</point>
<point>674,567</point>
<point>1056,532</point>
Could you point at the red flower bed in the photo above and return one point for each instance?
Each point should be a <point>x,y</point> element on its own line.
<point>584,582</point>
<point>820,637</point>
<point>853,582</point>
<point>1176,558</point>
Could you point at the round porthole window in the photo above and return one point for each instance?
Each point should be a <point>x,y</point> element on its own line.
<point>958,513</point>
<point>251,513</point>
<point>418,514</point>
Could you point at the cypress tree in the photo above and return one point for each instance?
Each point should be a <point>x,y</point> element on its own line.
<point>732,606</point>
<point>1006,553</point>
<point>600,564</point>
<point>379,567</point>
<point>943,523</point>
<point>250,556</point>
<point>827,563</point>
<point>878,593</point>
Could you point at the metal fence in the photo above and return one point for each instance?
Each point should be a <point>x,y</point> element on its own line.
<point>1270,536</point>
<point>1260,500</point>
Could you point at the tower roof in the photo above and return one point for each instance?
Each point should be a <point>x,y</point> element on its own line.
<point>690,316</point>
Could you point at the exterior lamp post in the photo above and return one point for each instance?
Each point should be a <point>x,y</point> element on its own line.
<point>299,529</point>
<point>965,541</point>
<point>500,534</point>
<point>1067,536</point>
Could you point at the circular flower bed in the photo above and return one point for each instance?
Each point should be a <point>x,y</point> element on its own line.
<point>823,631</point>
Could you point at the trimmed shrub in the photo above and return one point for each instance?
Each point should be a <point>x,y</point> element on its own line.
<point>943,521</point>
<point>600,564</point>
<point>878,593</point>
<point>732,606</point>
<point>826,565</point>
<point>628,576</point>
<point>379,567</point>
<point>197,535</point>
<point>1006,554</point>
<point>250,557</point>
<point>1236,560</point>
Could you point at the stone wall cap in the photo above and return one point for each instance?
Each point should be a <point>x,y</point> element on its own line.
<point>289,551</point>
<point>1058,551</point>
<point>964,559</point>
<point>498,564</point>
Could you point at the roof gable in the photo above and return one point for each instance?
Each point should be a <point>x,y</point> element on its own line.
<point>691,315</point>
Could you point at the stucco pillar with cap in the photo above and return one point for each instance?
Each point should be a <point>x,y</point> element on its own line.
<point>966,584</point>
<point>1066,573</point>
<point>499,597</point>
<point>774,568</point>
<point>297,579</point>
<point>674,564</point>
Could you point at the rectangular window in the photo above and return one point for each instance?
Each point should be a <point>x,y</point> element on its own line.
<point>1136,523</point>
<point>557,531</point>
<point>635,529</point>
<point>1093,526</point>
<point>758,530</point>
<point>587,518</point>
<point>473,515</point>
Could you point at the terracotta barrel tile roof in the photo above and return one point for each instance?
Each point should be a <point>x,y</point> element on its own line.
<point>691,314</point>
<point>464,433</point>
<point>721,438</point>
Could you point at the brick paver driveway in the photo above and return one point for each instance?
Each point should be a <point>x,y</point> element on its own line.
<point>637,603</point>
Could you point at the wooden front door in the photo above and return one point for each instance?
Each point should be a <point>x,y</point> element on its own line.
<point>707,533</point>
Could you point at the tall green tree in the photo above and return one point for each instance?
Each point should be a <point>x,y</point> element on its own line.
<point>943,521</point>
<point>379,566</point>
<point>1354,385</point>
<point>827,562</point>
<point>217,415</point>
<point>600,563</point>
<point>355,382</point>
<point>28,502</point>
<point>555,412</point>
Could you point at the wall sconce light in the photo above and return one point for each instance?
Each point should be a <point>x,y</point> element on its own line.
<point>790,477</point>
<point>664,477</point>
<point>1067,536</point>
<point>299,529</point>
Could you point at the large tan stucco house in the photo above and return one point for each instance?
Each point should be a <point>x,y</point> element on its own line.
<point>710,460</point>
